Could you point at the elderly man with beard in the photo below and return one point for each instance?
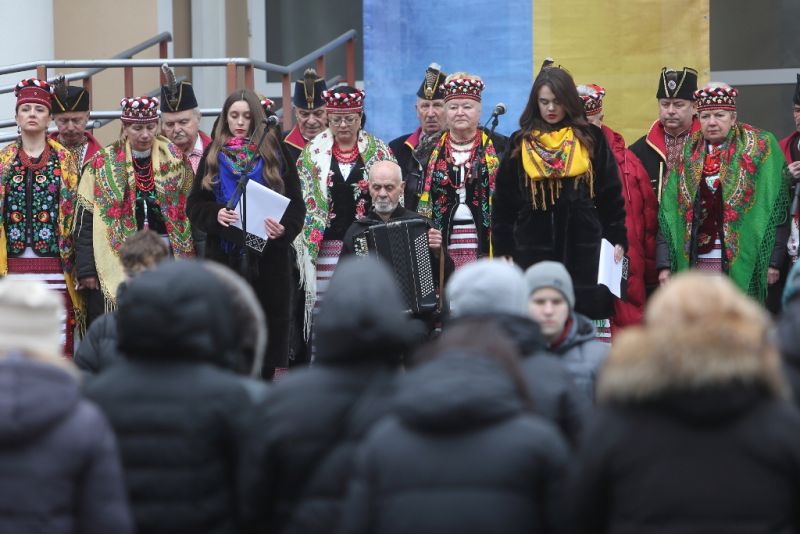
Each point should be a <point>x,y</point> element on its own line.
<point>386,186</point>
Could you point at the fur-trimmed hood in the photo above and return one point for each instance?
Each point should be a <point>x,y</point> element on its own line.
<point>647,366</point>
<point>700,334</point>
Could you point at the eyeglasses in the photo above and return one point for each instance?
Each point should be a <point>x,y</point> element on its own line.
<point>349,120</point>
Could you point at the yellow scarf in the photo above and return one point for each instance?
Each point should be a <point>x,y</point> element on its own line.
<point>549,157</point>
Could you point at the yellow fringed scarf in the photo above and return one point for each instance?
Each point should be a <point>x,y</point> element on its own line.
<point>549,157</point>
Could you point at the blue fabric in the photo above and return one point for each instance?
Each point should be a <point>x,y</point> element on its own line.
<point>229,178</point>
<point>493,40</point>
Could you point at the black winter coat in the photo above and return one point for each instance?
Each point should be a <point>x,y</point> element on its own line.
<point>555,395</point>
<point>570,230</point>
<point>721,460</point>
<point>98,349</point>
<point>460,454</point>
<point>273,280</point>
<point>59,467</point>
<point>182,420</point>
<point>314,418</point>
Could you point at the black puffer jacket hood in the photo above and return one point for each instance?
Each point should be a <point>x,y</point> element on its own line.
<point>456,392</point>
<point>178,311</point>
<point>33,397</point>
<point>362,315</point>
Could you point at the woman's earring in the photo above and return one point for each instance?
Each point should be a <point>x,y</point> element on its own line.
<point>19,129</point>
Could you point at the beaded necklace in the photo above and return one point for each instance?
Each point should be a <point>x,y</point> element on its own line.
<point>28,163</point>
<point>345,157</point>
<point>144,175</point>
<point>473,147</point>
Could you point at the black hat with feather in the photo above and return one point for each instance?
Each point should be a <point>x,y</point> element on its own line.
<point>308,91</point>
<point>176,96</point>
<point>67,97</point>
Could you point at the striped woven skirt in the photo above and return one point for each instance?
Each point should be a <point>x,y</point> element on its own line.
<point>602,330</point>
<point>463,247</point>
<point>711,262</point>
<point>48,270</point>
<point>328,258</point>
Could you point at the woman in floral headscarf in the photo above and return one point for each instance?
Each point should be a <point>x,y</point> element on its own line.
<point>38,183</point>
<point>238,129</point>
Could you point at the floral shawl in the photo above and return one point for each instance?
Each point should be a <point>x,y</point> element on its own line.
<point>314,170</point>
<point>66,216</point>
<point>108,191</point>
<point>755,200</point>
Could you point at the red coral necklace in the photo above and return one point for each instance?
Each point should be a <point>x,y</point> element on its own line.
<point>345,157</point>
<point>144,175</point>
<point>28,163</point>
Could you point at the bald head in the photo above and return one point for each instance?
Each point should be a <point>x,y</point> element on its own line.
<point>385,187</point>
<point>386,169</point>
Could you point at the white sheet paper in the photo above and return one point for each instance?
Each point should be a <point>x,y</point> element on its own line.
<point>262,202</point>
<point>609,272</point>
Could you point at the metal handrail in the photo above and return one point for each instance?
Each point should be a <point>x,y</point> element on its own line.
<point>232,63</point>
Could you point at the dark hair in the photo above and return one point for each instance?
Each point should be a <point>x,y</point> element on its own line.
<point>484,338</point>
<point>563,86</point>
<point>143,250</point>
<point>222,134</point>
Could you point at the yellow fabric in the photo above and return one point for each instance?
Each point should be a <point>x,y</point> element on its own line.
<point>622,45</point>
<point>106,256</point>
<point>575,156</point>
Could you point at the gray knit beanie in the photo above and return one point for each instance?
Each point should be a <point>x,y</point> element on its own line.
<point>550,274</point>
<point>487,287</point>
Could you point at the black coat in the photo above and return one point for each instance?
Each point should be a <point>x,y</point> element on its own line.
<point>460,454</point>
<point>98,348</point>
<point>789,342</point>
<point>273,280</point>
<point>59,466</point>
<point>314,418</point>
<point>413,169</point>
<point>570,230</point>
<point>720,460</point>
<point>181,418</point>
<point>552,388</point>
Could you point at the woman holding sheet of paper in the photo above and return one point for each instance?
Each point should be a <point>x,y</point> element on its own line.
<point>558,192</point>
<point>234,152</point>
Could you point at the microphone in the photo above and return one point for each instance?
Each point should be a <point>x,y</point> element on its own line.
<point>499,109</point>
<point>273,120</point>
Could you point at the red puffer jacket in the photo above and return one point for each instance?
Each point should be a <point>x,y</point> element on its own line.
<point>641,221</point>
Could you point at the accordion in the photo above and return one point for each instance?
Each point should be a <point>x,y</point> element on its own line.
<point>403,246</point>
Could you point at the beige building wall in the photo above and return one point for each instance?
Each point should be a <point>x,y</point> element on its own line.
<point>96,29</point>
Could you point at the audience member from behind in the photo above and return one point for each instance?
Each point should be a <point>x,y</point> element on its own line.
<point>143,250</point>
<point>568,334</point>
<point>495,291</point>
<point>315,417</point>
<point>59,468</point>
<point>462,451</point>
<point>695,433</point>
<point>180,416</point>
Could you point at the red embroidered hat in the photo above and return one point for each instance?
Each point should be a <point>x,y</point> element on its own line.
<point>716,96</point>
<point>139,110</point>
<point>33,91</point>
<point>463,88</point>
<point>344,99</point>
<point>592,96</point>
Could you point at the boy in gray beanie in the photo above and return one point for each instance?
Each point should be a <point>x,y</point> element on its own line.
<point>569,335</point>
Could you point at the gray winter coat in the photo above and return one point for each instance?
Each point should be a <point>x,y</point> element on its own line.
<point>582,354</point>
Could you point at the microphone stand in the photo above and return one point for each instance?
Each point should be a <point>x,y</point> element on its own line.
<point>241,190</point>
